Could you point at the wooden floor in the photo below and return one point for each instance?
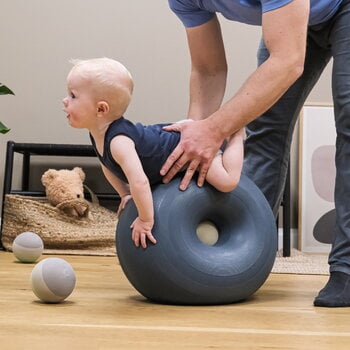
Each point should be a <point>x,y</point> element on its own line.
<point>105,312</point>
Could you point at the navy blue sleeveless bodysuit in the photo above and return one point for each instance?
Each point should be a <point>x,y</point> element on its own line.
<point>152,144</point>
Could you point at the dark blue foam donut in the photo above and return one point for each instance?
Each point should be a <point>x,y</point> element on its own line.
<point>180,269</point>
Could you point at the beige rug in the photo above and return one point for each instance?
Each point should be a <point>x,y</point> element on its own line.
<point>301,263</point>
<point>298,263</point>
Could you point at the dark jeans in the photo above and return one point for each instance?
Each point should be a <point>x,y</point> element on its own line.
<point>269,137</point>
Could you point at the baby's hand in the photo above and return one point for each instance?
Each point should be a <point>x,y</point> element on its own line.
<point>125,199</point>
<point>141,230</point>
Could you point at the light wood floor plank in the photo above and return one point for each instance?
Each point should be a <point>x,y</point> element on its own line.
<point>105,312</point>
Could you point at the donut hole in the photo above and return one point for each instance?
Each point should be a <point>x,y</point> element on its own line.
<point>207,232</point>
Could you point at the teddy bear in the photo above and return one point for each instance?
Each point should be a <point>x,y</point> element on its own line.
<point>65,190</point>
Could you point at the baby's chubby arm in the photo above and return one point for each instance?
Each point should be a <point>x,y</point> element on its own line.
<point>124,152</point>
<point>120,186</point>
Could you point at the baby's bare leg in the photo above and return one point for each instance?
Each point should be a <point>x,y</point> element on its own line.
<point>225,170</point>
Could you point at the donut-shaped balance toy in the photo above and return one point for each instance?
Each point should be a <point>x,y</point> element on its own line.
<point>183,269</point>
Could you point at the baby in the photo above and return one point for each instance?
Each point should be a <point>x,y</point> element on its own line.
<point>131,155</point>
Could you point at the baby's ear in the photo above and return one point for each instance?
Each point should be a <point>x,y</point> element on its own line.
<point>102,107</point>
<point>48,176</point>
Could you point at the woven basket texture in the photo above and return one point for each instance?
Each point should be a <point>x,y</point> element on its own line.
<point>60,232</point>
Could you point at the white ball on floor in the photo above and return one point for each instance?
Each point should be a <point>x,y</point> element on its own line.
<point>27,247</point>
<point>52,280</point>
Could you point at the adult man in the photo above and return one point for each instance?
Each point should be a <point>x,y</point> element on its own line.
<point>299,38</point>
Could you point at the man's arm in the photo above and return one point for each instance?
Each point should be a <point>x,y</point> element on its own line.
<point>207,88</point>
<point>208,69</point>
<point>284,32</point>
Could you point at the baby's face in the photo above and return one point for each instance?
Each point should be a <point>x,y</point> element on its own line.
<point>80,106</point>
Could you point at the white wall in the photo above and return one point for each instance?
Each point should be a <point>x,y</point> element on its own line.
<point>37,38</point>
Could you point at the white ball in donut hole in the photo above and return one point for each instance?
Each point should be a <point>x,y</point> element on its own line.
<point>207,233</point>
<point>27,247</point>
<point>53,280</point>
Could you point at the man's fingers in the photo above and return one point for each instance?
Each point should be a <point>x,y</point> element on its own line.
<point>195,151</point>
<point>202,174</point>
<point>176,168</point>
<point>173,163</point>
<point>191,169</point>
<point>173,127</point>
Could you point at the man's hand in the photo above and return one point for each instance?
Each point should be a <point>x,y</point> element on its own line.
<point>196,150</point>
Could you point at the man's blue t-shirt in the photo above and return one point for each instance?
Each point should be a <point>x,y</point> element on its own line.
<point>196,12</point>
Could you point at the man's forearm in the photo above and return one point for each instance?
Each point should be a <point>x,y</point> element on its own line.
<point>206,94</point>
<point>260,91</point>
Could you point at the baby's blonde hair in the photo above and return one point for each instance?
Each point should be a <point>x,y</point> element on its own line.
<point>110,81</point>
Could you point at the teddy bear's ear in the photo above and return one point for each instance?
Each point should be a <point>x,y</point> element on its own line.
<point>48,176</point>
<point>80,172</point>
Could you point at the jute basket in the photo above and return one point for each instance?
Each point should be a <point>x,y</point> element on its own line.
<point>60,232</point>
